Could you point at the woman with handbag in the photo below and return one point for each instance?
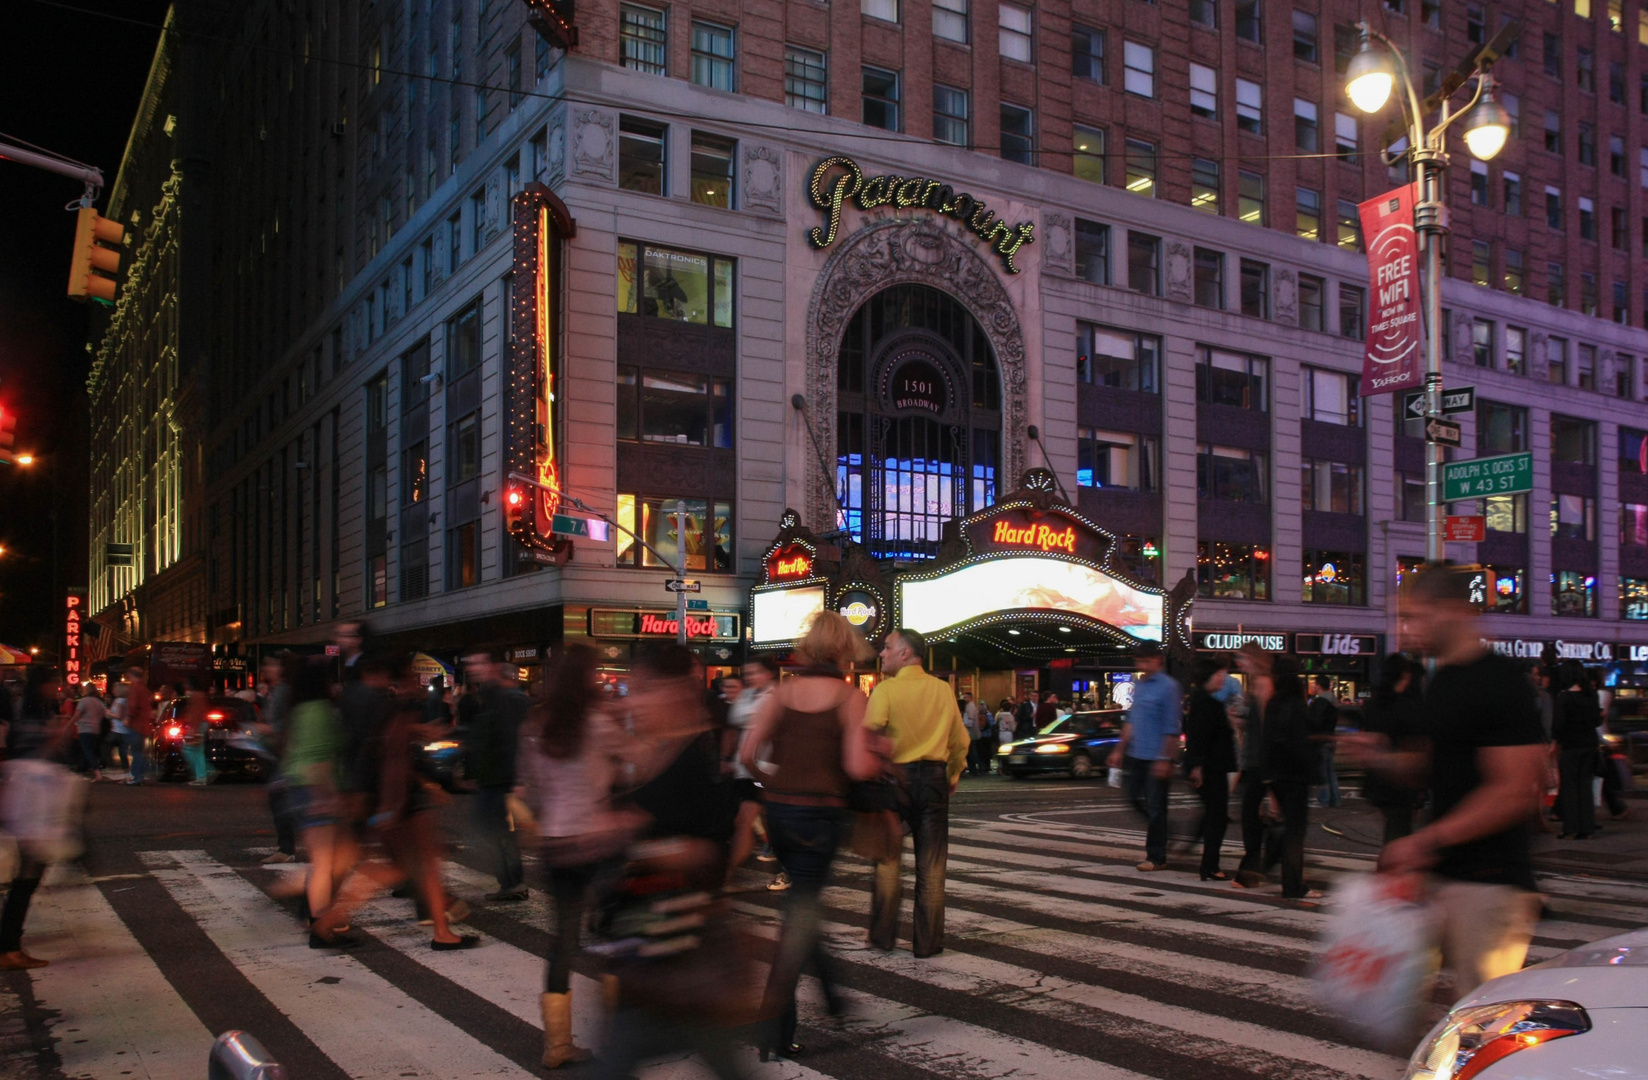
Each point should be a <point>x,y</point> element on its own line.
<point>813,726</point>
<point>569,762</point>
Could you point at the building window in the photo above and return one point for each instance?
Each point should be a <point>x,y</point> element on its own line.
<point>1016,33</point>
<point>805,84</point>
<point>1585,70</point>
<point>712,158</point>
<point>1117,358</point>
<point>1511,186</point>
<point>1346,137</point>
<point>1573,440</point>
<point>1017,134</point>
<point>1331,487</point>
<point>642,39</point>
<point>1349,226</point>
<point>885,10</point>
<point>669,284</point>
<point>1482,343</point>
<point>1556,360</point>
<point>1513,276</point>
<point>1505,513</point>
<point>676,408</point>
<point>1232,571</point>
<point>1573,594</point>
<point>1210,279</point>
<point>708,539</point>
<point>1256,289</point>
<point>1139,64</point>
<point>1304,36</point>
<point>950,20</point>
<point>377,494</point>
<point>641,156</point>
<point>1587,219</point>
<point>1633,525</point>
<point>466,449</point>
<point>1585,367</point>
<point>1231,474</point>
<point>1144,263</point>
<point>1331,397</point>
<point>1248,27</point>
<point>1479,183</point>
<point>1307,221</point>
<point>1092,251</point>
<point>949,115</point>
<point>415,474</point>
<point>1204,185</point>
<point>1616,155</point>
<point>881,98</point>
<point>1412,500</point>
<point>1352,304</point>
<point>1233,379</point>
<point>712,56</point>
<point>463,547</point>
<point>1087,53</point>
<point>1311,290</point>
<point>1501,429</point>
<point>1555,286</point>
<point>1619,235</point>
<point>1553,131</point>
<point>1306,136</point>
<point>1250,198</point>
<point>1088,154</point>
<point>1516,350</point>
<point>1633,592</point>
<point>1551,53</point>
<point>1573,517</point>
<point>1204,91</point>
<point>1121,461</point>
<point>1205,13</point>
<point>1625,376</point>
<point>1141,168</point>
<point>1482,263</point>
<point>463,342</point>
<point>1249,107</point>
<point>1335,577</point>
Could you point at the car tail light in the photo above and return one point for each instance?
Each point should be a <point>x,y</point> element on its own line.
<point>214,716</point>
<point>1472,1039</point>
<point>174,732</point>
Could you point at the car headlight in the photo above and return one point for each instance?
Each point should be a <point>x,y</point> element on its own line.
<point>1613,742</point>
<point>435,747</point>
<point>1470,1040</point>
<point>1053,748</point>
<point>1004,749</point>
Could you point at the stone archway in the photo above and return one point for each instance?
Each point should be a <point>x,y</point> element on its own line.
<point>898,252</point>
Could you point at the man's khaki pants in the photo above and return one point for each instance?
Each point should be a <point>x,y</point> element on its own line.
<point>1483,930</point>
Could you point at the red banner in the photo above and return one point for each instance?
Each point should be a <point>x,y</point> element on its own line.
<point>1395,356</point>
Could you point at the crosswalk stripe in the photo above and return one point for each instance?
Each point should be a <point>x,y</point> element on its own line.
<point>112,1013</point>
<point>360,1020</point>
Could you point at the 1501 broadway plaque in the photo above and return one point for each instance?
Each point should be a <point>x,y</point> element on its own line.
<point>1505,474</point>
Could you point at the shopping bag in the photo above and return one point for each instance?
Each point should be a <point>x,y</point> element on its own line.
<point>1376,956</point>
<point>40,806</point>
<point>1115,779</point>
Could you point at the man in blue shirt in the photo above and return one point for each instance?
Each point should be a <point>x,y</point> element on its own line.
<point>1150,745</point>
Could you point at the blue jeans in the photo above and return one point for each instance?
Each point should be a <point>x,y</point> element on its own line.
<point>1328,794</point>
<point>805,839</point>
<point>134,749</point>
<point>1147,792</point>
<point>927,815</point>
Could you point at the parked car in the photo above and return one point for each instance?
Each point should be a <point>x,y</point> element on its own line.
<point>442,760</point>
<point>233,742</point>
<point>1075,744</point>
<point>1583,1014</point>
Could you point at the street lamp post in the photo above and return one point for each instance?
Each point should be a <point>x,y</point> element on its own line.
<point>1369,79</point>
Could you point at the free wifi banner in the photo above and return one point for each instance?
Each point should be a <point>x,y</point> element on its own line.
<point>1395,356</point>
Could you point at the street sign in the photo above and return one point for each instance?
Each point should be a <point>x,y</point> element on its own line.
<point>588,528</point>
<point>688,585</point>
<point>1446,432</point>
<point>1503,474</point>
<point>698,605</point>
<point>1465,528</point>
<point>1461,399</point>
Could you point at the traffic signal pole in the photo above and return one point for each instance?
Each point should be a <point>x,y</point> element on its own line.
<point>91,177</point>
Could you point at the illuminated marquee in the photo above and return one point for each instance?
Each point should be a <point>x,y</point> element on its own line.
<point>782,615</point>
<point>541,223</point>
<point>1007,586</point>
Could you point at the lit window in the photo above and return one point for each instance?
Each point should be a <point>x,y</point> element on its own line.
<point>1016,41</point>
<point>1204,185</point>
<point>1139,76</point>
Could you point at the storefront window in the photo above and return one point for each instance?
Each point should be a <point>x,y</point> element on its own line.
<point>667,407</point>
<point>708,543</point>
<point>1633,524</point>
<point>1332,486</point>
<point>1573,593</point>
<point>670,284</point>
<point>1633,598</point>
<point>1633,452</point>
<point>1414,503</point>
<point>1573,517</point>
<point>1232,571</point>
<point>1127,361</point>
<point>1335,577</point>
<point>1235,379</point>
<point>1139,557</point>
<point>1506,513</point>
<point>1230,474</point>
<point>1116,459</point>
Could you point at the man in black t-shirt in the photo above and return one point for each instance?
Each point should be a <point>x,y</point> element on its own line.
<point>1484,764</point>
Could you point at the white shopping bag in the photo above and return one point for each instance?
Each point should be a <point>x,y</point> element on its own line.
<point>1376,956</point>
<point>40,804</point>
<point>1115,778</point>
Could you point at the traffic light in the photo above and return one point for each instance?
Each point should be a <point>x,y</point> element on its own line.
<point>8,433</point>
<point>516,506</point>
<point>92,231</point>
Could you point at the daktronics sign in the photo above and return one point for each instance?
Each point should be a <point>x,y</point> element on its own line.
<point>1040,537</point>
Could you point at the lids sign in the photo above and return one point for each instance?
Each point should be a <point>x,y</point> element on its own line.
<point>1336,644</point>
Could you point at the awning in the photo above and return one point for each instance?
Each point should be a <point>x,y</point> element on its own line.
<point>10,656</point>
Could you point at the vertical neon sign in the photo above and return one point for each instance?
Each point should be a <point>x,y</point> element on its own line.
<point>71,638</point>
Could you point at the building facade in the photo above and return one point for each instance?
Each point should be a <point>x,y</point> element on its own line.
<point>844,258</point>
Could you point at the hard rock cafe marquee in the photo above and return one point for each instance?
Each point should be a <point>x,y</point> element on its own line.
<point>1027,581</point>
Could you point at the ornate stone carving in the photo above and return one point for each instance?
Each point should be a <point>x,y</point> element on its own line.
<point>1178,270</point>
<point>1463,348</point>
<point>896,252</point>
<point>763,179</point>
<point>1539,363</point>
<point>593,144</point>
<point>497,204</point>
<point>1287,296</point>
<point>1058,242</point>
<point>554,169</point>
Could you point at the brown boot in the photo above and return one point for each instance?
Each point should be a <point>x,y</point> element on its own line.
<point>559,1049</point>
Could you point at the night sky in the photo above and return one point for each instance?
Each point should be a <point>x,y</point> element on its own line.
<point>70,80</point>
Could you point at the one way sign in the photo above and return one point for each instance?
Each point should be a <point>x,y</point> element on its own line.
<point>1460,400</point>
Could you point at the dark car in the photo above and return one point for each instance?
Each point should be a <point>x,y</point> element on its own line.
<point>1076,745</point>
<point>442,759</point>
<point>233,742</point>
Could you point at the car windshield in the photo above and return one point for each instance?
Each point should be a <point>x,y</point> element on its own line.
<point>1077,724</point>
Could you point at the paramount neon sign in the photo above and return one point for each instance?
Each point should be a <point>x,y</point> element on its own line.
<point>1041,537</point>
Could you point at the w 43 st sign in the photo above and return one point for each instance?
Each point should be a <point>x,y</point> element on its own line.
<point>1505,474</point>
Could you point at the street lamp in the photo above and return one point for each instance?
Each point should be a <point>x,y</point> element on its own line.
<point>24,459</point>
<point>1370,78</point>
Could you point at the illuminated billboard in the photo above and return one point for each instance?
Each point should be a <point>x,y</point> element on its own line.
<point>781,615</point>
<point>1027,584</point>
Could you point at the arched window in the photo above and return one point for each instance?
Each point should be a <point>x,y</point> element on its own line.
<point>918,432</point>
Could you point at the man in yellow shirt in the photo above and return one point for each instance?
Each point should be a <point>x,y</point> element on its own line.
<point>918,714</point>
